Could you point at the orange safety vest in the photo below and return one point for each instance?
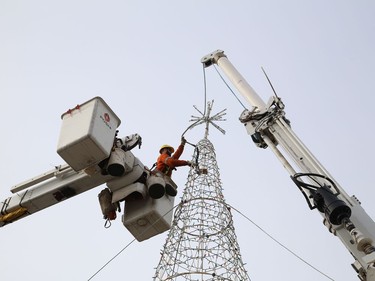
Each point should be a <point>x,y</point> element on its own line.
<point>166,163</point>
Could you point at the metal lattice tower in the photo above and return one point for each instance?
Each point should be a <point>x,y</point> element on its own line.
<point>202,244</point>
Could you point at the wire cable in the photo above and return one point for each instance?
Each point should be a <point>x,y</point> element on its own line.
<point>205,89</point>
<point>115,256</point>
<point>283,246</point>
<point>131,242</point>
<point>204,104</point>
<point>222,78</point>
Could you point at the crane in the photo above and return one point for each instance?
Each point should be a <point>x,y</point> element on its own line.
<point>95,155</point>
<point>268,127</point>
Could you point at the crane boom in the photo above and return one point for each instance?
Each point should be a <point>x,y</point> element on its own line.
<point>45,193</point>
<point>342,214</point>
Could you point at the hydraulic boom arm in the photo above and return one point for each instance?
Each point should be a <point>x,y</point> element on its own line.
<point>268,127</point>
<point>60,184</point>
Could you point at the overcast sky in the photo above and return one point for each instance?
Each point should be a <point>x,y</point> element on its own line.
<point>143,59</point>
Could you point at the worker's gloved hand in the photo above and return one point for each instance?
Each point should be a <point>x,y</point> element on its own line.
<point>183,140</point>
<point>191,164</point>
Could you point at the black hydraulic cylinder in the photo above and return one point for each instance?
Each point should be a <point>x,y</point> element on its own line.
<point>328,203</point>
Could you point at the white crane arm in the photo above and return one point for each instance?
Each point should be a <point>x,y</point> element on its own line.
<point>268,127</point>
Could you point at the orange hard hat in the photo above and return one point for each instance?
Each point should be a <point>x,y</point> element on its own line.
<point>166,146</point>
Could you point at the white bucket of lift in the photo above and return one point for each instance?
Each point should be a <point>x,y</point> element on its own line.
<point>148,217</point>
<point>87,134</point>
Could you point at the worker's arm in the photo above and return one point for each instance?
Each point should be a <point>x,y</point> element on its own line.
<point>171,162</point>
<point>178,152</point>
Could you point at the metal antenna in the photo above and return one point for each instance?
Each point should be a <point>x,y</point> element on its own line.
<point>269,81</point>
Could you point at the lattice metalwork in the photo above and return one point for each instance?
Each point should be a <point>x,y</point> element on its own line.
<point>202,244</point>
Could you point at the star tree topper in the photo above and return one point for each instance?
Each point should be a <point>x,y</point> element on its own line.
<point>207,119</point>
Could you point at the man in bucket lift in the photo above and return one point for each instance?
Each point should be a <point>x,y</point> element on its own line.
<point>167,161</point>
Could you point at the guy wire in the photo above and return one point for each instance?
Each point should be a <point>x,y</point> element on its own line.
<point>115,256</point>
<point>280,244</point>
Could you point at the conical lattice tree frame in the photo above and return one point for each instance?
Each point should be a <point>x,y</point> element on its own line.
<point>202,244</point>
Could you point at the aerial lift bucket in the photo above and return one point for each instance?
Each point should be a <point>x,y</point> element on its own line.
<point>148,217</point>
<point>144,217</point>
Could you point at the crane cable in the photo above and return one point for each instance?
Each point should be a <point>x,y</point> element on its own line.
<point>230,89</point>
<point>204,104</point>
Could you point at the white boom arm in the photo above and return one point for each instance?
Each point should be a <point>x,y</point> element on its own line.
<point>268,127</point>
<point>60,184</point>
